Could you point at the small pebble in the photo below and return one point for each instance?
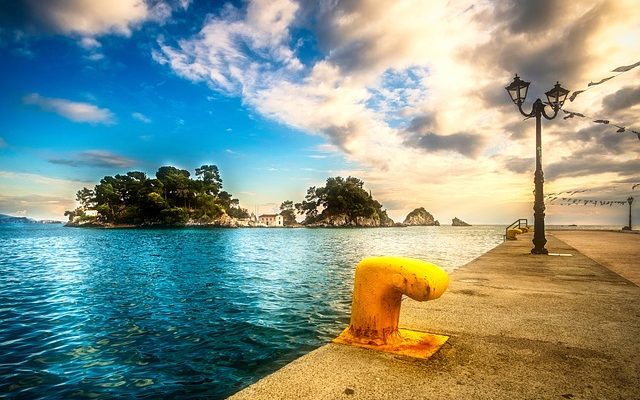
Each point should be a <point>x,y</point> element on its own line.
<point>349,391</point>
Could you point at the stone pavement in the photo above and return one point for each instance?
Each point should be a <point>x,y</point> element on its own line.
<point>521,327</point>
<point>620,252</point>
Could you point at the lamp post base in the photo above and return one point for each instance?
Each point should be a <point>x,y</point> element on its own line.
<point>539,240</point>
<point>539,251</point>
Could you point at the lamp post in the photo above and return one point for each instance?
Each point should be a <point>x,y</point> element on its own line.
<point>556,97</point>
<point>630,200</point>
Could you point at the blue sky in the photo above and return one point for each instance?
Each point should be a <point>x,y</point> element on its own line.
<point>283,94</point>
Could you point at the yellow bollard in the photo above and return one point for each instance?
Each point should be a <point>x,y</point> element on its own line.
<point>379,285</point>
<point>511,233</point>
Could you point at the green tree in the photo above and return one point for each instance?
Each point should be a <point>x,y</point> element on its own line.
<point>74,213</point>
<point>209,175</point>
<point>208,208</point>
<point>86,198</point>
<point>236,211</point>
<point>107,198</point>
<point>176,185</point>
<point>339,196</point>
<point>288,213</point>
<point>174,216</point>
<point>309,206</point>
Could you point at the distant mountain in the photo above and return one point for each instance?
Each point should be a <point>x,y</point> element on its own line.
<point>10,219</point>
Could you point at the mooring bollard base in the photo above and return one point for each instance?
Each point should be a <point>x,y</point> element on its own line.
<point>411,343</point>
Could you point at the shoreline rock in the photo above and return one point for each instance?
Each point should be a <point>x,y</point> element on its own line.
<point>344,221</point>
<point>225,221</point>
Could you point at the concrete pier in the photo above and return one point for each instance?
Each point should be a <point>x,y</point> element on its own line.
<point>521,326</point>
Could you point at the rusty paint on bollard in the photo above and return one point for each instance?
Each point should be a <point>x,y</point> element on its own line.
<point>379,285</point>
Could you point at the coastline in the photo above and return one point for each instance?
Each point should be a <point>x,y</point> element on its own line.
<point>212,226</point>
<point>558,228</point>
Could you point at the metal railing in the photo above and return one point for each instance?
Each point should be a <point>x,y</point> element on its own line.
<point>515,224</point>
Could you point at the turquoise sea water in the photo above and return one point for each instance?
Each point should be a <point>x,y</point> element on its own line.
<point>187,313</point>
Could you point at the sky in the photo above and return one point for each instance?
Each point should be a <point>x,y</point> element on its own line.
<point>281,94</point>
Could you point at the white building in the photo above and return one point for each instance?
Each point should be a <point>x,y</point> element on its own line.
<point>271,220</point>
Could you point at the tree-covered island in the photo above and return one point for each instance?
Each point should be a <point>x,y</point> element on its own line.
<point>342,202</point>
<point>171,198</point>
<point>174,198</point>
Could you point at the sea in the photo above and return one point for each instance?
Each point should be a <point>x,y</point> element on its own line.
<point>185,313</point>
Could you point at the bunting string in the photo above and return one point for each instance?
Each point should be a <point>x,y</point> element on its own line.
<point>576,191</point>
<point>621,128</point>
<point>554,196</point>
<point>619,70</point>
<point>567,201</point>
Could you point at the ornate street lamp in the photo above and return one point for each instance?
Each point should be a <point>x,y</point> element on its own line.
<point>556,97</point>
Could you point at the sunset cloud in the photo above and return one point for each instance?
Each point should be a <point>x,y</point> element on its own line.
<point>621,100</point>
<point>39,196</point>
<point>87,18</point>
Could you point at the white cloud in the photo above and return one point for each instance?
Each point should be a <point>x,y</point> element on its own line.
<point>75,111</point>
<point>326,148</point>
<point>92,45</point>
<point>217,54</point>
<point>160,12</point>
<point>89,43</point>
<point>141,117</point>
<point>89,18</point>
<point>413,91</point>
<point>95,57</point>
